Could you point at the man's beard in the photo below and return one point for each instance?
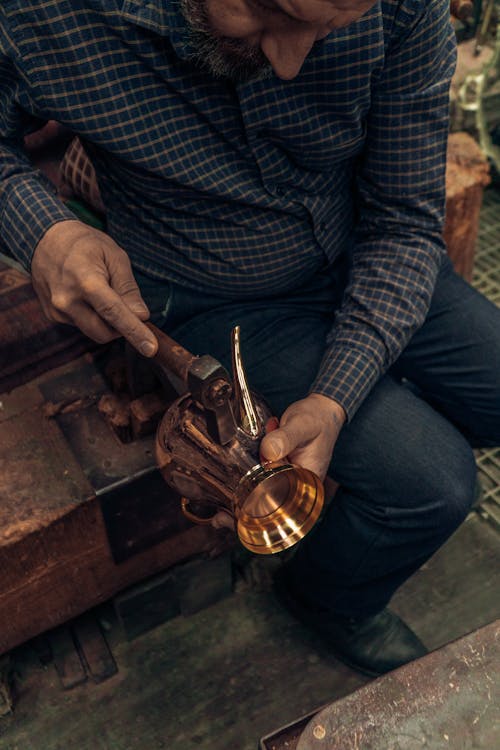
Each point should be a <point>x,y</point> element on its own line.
<point>223,57</point>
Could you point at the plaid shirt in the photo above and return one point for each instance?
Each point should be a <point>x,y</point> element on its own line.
<point>246,190</point>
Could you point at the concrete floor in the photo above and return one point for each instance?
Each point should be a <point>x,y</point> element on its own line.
<point>224,677</point>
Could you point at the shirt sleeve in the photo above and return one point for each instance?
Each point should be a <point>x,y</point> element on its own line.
<point>29,205</point>
<point>400,202</point>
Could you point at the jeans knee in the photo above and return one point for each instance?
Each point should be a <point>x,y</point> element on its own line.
<point>456,488</point>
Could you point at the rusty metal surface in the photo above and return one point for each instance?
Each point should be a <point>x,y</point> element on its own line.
<point>448,699</point>
<point>82,378</point>
<point>105,461</point>
<point>287,737</point>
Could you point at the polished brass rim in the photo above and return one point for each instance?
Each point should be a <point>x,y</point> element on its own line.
<point>292,518</point>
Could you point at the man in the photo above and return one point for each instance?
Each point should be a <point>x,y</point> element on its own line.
<point>276,164</point>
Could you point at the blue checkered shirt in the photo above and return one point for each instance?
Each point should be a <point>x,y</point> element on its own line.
<point>246,190</point>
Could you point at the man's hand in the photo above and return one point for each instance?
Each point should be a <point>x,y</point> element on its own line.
<point>83,277</point>
<point>307,434</point>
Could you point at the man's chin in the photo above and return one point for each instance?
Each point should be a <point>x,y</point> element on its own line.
<point>242,73</point>
<point>228,65</point>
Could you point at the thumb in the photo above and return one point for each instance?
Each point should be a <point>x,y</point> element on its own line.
<point>276,445</point>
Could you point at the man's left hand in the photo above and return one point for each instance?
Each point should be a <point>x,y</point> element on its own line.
<point>307,434</point>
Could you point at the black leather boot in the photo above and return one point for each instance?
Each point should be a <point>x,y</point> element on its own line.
<point>372,645</point>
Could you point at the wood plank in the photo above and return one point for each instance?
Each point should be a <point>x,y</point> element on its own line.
<point>6,693</point>
<point>93,648</point>
<point>67,662</point>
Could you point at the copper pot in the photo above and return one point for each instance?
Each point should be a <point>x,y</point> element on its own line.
<point>271,505</point>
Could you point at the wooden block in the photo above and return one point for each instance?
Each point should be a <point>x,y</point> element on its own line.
<point>147,605</point>
<point>146,412</point>
<point>44,595</point>
<point>467,174</point>
<point>93,648</point>
<point>116,411</point>
<point>39,480</point>
<point>67,660</point>
<point>185,589</point>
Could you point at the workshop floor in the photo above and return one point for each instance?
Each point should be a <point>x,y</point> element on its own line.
<point>225,677</point>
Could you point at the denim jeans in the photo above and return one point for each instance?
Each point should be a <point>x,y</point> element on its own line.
<point>404,463</point>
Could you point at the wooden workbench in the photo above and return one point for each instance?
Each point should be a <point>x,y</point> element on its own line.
<point>82,516</point>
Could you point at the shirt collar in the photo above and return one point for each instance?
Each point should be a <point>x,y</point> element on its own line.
<point>163,17</point>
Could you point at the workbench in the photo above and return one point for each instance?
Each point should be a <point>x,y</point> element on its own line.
<point>82,514</point>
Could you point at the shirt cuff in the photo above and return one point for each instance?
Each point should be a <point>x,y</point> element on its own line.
<point>347,376</point>
<point>29,210</point>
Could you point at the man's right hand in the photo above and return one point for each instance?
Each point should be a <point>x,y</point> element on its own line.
<point>84,278</point>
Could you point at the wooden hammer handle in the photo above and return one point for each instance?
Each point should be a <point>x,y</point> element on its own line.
<point>171,356</point>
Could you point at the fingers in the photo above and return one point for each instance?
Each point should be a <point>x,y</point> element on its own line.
<point>276,445</point>
<point>83,277</point>
<point>112,309</point>
<point>87,320</point>
<point>294,431</point>
<point>103,316</point>
<point>122,280</point>
<point>307,434</point>
<point>280,445</point>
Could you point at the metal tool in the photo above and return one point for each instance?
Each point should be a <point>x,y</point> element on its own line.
<point>207,448</point>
